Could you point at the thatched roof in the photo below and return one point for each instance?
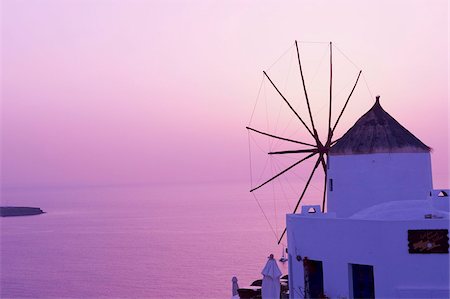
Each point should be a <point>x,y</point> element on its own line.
<point>378,132</point>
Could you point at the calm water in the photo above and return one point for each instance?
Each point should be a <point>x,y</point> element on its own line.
<point>173,241</point>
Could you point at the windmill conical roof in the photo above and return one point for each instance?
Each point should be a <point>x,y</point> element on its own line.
<point>377,132</point>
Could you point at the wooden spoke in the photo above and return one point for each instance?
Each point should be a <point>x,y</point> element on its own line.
<point>294,152</point>
<point>306,93</point>
<point>306,186</point>
<point>333,142</point>
<point>290,167</point>
<point>278,137</point>
<point>331,92</point>
<point>287,102</point>
<point>346,102</point>
<point>303,193</point>
<point>282,235</point>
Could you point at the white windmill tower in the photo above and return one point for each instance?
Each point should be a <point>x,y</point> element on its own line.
<point>377,161</point>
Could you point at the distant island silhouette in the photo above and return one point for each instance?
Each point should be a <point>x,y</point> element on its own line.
<point>19,211</point>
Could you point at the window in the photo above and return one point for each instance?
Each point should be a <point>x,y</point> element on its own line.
<point>331,185</point>
<point>427,241</point>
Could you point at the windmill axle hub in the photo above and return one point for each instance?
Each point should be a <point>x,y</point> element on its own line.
<point>323,149</point>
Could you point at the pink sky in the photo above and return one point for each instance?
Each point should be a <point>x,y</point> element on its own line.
<point>106,92</point>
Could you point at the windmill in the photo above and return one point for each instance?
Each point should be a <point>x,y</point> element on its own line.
<point>318,149</point>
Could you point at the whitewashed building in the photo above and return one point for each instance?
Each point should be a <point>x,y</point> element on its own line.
<point>385,232</point>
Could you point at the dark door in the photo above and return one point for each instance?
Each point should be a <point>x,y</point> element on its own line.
<point>363,283</point>
<point>313,278</point>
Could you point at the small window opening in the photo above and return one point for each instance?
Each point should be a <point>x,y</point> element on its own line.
<point>443,194</point>
<point>311,210</point>
<point>331,184</point>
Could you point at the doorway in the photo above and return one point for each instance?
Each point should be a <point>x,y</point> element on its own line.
<point>362,281</point>
<point>313,278</point>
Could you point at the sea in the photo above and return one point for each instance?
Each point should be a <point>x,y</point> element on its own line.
<point>144,241</point>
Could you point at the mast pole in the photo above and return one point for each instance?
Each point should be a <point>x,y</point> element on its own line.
<point>331,91</point>
<point>324,165</point>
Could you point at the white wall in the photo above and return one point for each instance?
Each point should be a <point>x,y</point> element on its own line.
<point>383,244</point>
<point>361,181</point>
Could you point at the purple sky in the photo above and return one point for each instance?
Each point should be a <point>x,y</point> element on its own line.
<point>106,92</point>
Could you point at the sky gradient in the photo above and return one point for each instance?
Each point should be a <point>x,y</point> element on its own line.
<point>127,92</point>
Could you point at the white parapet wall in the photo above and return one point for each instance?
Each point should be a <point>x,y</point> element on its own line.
<point>360,181</point>
<point>383,244</point>
<point>440,199</point>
